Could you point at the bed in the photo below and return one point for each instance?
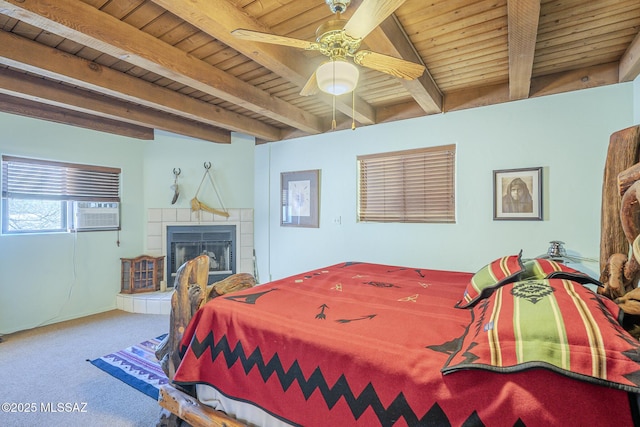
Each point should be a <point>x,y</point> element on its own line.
<point>524,342</point>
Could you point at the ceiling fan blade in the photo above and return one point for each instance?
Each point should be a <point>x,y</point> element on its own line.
<point>311,87</point>
<point>388,64</point>
<point>258,36</point>
<point>369,15</point>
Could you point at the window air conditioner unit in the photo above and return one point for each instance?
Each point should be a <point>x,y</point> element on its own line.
<point>97,216</point>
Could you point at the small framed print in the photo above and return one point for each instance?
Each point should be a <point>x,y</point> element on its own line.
<point>300,199</point>
<point>517,194</point>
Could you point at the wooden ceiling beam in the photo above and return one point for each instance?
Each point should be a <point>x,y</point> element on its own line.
<point>18,52</point>
<point>630,61</point>
<point>479,96</point>
<point>403,111</point>
<point>389,38</point>
<point>26,108</point>
<point>88,26</point>
<point>219,18</point>
<point>600,75</point>
<point>37,89</point>
<point>568,81</point>
<point>523,17</point>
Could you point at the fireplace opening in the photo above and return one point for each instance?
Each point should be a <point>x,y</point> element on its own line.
<point>187,242</point>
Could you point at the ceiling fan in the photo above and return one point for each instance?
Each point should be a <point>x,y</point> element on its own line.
<point>339,39</point>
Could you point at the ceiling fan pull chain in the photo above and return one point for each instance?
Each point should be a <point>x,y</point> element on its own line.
<point>333,122</point>
<point>353,110</point>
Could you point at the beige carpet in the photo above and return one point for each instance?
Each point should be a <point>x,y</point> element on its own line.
<point>45,371</point>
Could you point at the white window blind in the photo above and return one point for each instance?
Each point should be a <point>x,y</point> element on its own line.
<point>408,186</point>
<point>24,178</point>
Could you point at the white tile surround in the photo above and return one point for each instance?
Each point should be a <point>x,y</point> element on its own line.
<point>146,302</point>
<point>157,222</point>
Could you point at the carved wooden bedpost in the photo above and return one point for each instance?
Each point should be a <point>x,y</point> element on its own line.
<point>623,152</point>
<point>619,269</point>
<point>190,288</point>
<point>190,293</point>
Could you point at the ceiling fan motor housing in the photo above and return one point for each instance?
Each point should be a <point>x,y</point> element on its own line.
<point>338,6</point>
<point>334,42</point>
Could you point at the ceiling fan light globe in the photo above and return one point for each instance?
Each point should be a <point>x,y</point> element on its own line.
<point>337,77</point>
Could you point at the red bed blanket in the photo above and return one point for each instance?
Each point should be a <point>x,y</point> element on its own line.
<point>364,344</point>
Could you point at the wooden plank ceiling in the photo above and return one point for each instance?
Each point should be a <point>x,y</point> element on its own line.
<point>131,66</point>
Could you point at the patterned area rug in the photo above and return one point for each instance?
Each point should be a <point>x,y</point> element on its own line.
<point>137,366</point>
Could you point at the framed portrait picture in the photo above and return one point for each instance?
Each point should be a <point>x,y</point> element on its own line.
<point>517,194</point>
<point>300,199</point>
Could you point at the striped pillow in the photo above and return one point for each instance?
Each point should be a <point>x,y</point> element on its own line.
<point>495,274</point>
<point>554,324</point>
<point>540,268</point>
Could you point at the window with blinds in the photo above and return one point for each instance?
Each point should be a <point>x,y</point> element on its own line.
<point>408,186</point>
<point>41,196</point>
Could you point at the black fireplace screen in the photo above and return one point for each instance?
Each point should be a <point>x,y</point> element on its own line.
<point>187,242</point>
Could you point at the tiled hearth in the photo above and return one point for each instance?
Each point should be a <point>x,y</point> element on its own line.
<point>157,222</point>
<point>146,302</point>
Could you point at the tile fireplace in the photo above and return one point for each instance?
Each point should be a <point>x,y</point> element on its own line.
<point>158,222</point>
<point>185,242</point>
<point>161,219</point>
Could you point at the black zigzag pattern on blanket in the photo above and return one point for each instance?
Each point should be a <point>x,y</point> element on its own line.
<point>368,398</point>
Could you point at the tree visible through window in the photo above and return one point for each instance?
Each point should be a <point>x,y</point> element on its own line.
<point>40,195</point>
<point>408,186</point>
<point>35,215</point>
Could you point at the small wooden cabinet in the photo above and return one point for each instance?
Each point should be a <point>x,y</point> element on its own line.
<point>142,274</point>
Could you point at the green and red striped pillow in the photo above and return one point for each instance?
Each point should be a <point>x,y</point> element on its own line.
<point>541,268</point>
<point>493,275</point>
<point>556,324</point>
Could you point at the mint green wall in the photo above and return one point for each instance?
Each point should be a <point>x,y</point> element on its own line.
<point>49,278</point>
<point>231,168</point>
<point>566,134</point>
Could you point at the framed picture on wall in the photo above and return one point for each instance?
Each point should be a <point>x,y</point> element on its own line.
<point>300,199</point>
<point>517,194</point>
